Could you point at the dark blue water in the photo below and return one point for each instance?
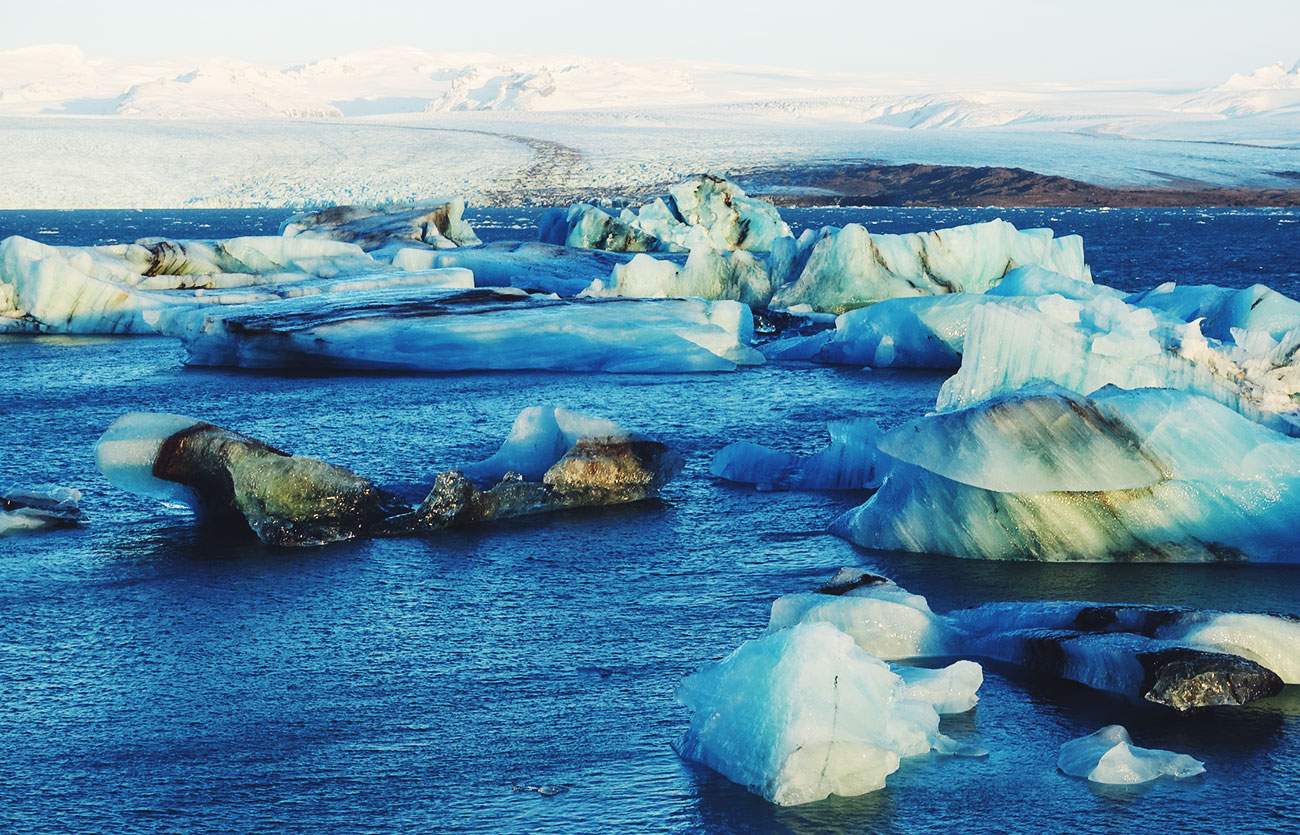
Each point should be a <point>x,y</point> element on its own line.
<point>156,677</point>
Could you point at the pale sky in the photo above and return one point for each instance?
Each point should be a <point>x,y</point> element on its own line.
<point>1192,42</point>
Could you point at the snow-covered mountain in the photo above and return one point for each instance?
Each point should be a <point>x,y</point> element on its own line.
<point>61,80</point>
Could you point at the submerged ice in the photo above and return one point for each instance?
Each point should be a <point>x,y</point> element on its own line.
<point>1109,756</point>
<point>45,506</point>
<point>849,463</point>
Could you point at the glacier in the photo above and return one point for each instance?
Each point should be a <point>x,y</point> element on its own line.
<point>1045,474</point>
<point>849,463</point>
<point>1109,756</point>
<point>470,330</point>
<point>1181,658</point>
<point>295,501</point>
<point>42,507</point>
<point>804,713</point>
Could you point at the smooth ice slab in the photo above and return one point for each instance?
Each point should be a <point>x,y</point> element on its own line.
<point>849,463</point>
<point>803,713</point>
<point>1109,756</point>
<point>534,267</point>
<point>1044,474</point>
<point>478,330</point>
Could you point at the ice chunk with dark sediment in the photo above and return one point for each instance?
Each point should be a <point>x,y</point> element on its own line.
<point>849,463</point>
<point>1181,658</point>
<point>285,499</point>
<point>803,713</point>
<point>436,225</point>
<point>1045,474</point>
<point>295,501</point>
<point>476,330</point>
<point>37,508</point>
<point>1109,756</point>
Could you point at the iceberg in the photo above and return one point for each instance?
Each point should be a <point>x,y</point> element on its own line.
<point>849,463</point>
<point>846,268</point>
<point>1177,657</point>
<point>1109,756</point>
<point>1084,346</point>
<point>1046,474</point>
<point>124,288</point>
<point>38,508</point>
<point>438,225</point>
<point>534,267</point>
<point>930,331</point>
<point>703,212</point>
<point>706,274</point>
<point>572,460</point>
<point>1223,309</point>
<point>472,330</point>
<point>803,713</point>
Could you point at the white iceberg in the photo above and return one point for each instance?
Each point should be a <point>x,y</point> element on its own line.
<point>538,438</point>
<point>705,211</point>
<point>1085,345</point>
<point>475,330</point>
<point>803,713</point>
<point>706,274</point>
<point>1045,474</point>
<point>849,463</point>
<point>1109,756</point>
<point>124,288</point>
<point>1225,309</point>
<point>848,268</point>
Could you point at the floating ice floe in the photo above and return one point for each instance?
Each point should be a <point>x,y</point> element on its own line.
<point>124,288</point>
<point>1084,345</point>
<point>705,211</point>
<point>804,713</point>
<point>930,331</point>
<point>849,463</point>
<point>291,500</point>
<point>535,267</point>
<point>1176,657</point>
<point>474,330</point>
<point>433,226</point>
<point>38,508</point>
<point>841,269</point>
<point>1109,756</point>
<point>1046,474</point>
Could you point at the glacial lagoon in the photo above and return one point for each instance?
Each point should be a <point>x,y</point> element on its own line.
<point>161,676</point>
